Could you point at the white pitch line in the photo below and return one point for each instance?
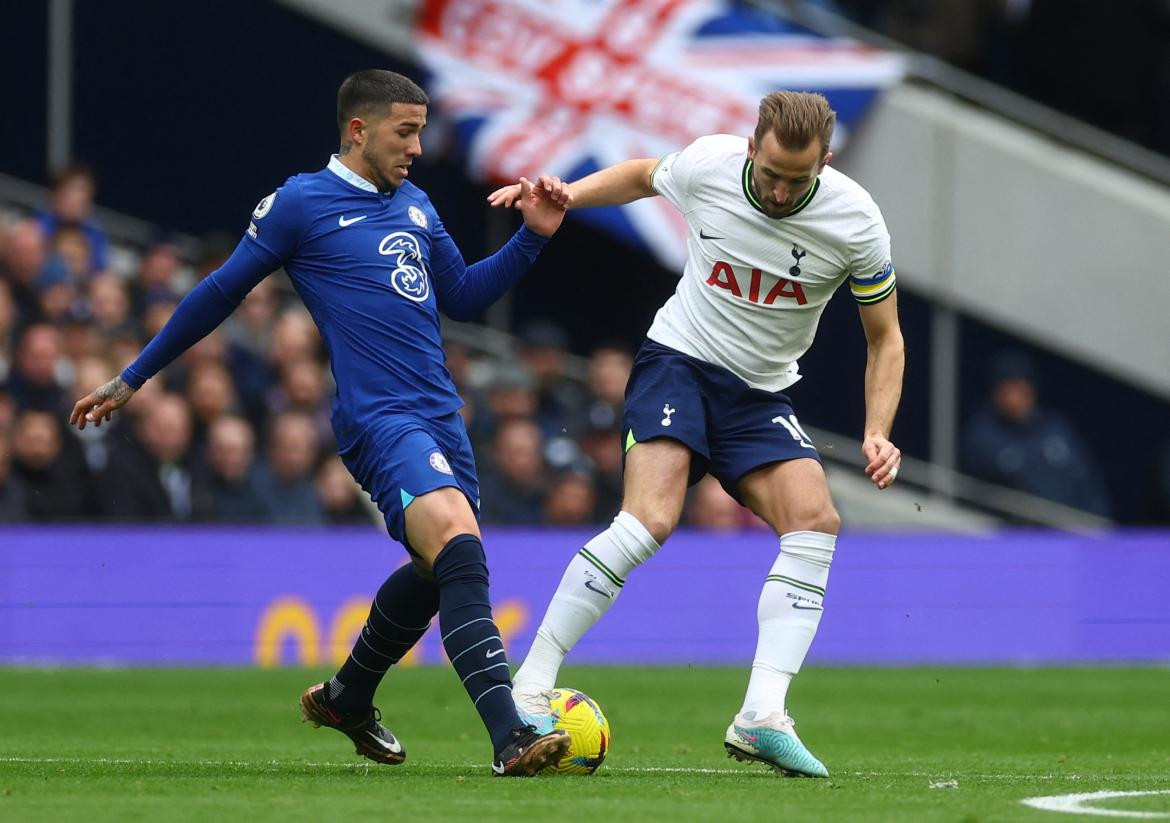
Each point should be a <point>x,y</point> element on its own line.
<point>622,770</point>
<point>1075,804</point>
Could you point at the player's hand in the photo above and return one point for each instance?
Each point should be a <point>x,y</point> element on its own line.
<point>505,197</point>
<point>100,404</point>
<point>542,214</point>
<point>510,196</point>
<point>885,459</point>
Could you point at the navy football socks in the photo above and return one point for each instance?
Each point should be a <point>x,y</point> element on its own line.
<point>399,616</point>
<point>470,636</point>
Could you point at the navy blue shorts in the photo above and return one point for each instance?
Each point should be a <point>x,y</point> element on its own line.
<point>730,427</point>
<point>403,457</point>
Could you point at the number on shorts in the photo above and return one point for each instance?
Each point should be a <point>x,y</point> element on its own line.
<point>798,434</point>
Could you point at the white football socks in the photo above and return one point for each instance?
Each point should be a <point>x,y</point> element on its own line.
<point>789,612</point>
<point>591,583</point>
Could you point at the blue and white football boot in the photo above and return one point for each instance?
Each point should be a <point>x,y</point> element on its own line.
<point>535,710</point>
<point>771,740</point>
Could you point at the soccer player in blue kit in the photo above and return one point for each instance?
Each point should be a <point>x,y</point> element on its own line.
<point>370,258</point>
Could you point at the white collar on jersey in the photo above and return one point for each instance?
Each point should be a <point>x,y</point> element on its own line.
<point>343,171</point>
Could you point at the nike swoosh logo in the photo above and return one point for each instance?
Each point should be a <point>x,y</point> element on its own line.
<point>498,768</point>
<point>341,221</point>
<point>709,236</point>
<point>593,587</point>
<point>394,747</point>
<point>808,608</point>
<point>493,654</point>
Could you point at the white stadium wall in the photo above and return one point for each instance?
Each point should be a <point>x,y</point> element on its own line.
<point>1011,227</point>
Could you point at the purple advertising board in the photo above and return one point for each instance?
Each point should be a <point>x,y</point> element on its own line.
<point>265,596</point>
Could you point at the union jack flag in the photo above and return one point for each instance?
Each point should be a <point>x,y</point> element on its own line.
<point>570,86</point>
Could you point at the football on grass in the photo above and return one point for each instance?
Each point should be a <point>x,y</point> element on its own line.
<point>581,717</point>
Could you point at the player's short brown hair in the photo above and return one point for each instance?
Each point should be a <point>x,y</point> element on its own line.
<point>796,118</point>
<point>364,91</point>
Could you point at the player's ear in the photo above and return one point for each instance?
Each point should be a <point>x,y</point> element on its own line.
<point>751,147</point>
<point>355,132</point>
<point>825,160</point>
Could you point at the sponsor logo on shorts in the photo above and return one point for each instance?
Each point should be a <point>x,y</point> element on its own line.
<point>668,411</point>
<point>439,463</point>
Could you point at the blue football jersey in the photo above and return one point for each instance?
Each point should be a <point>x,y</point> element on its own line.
<point>365,265</point>
<point>374,270</point>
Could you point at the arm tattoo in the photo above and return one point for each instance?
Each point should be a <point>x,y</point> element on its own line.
<point>344,150</point>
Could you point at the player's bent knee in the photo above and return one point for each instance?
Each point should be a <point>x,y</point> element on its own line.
<point>659,523</point>
<point>825,520</point>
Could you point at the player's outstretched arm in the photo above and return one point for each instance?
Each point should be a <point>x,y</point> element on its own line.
<point>205,307</point>
<point>885,362</point>
<point>100,404</point>
<point>617,185</point>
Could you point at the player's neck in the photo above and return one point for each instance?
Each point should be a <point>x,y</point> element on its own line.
<point>354,163</point>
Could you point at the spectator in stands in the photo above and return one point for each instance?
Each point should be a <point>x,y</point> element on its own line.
<point>33,381</point>
<point>157,277</point>
<point>149,475</point>
<point>225,486</point>
<point>109,301</point>
<point>79,337</point>
<point>159,307</point>
<point>602,445</point>
<point>7,411</point>
<point>571,499</point>
<point>250,327</point>
<point>23,258</point>
<point>303,388</point>
<point>210,394</point>
<point>512,482</point>
<point>340,494</point>
<point>286,478</point>
<point>8,324</point>
<point>1015,442</point>
<point>709,506</point>
<point>609,371</point>
<point>71,207</point>
<point>55,293</point>
<point>55,479</point>
<point>294,337</point>
<point>13,498</point>
<point>510,395</point>
<point>544,350</point>
<point>70,246</point>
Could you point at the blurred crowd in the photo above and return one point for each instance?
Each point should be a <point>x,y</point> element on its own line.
<point>237,429</point>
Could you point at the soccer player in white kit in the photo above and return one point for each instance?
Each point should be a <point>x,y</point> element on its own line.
<point>773,231</point>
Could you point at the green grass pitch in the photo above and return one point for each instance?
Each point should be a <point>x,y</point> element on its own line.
<point>226,744</point>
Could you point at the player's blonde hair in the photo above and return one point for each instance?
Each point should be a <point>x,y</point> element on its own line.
<point>796,118</point>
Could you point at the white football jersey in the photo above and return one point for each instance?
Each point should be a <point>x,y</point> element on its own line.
<point>754,286</point>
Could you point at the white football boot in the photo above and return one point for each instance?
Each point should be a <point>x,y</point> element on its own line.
<point>772,740</point>
<point>534,709</point>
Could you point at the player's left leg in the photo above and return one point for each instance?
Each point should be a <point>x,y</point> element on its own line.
<point>793,498</point>
<point>399,616</point>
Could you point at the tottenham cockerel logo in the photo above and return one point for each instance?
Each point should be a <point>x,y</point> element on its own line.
<point>409,277</point>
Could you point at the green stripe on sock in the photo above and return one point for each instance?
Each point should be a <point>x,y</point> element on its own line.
<point>796,584</point>
<point>601,567</point>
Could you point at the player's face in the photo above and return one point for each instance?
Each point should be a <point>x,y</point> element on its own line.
<point>781,177</point>
<point>392,144</point>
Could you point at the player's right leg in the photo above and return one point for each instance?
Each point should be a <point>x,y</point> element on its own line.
<point>655,487</point>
